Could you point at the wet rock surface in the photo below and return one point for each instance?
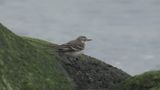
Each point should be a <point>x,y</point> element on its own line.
<point>89,73</point>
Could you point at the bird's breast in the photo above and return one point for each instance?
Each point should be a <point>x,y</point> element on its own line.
<point>74,53</point>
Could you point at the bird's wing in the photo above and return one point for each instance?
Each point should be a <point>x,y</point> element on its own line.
<point>71,46</point>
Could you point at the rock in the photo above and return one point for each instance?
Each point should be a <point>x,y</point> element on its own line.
<point>90,73</point>
<point>146,81</point>
<point>32,64</point>
<point>0,45</point>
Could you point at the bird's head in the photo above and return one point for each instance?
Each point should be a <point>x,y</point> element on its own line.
<point>83,39</point>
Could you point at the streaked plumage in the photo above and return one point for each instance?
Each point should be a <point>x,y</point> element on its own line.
<point>74,46</point>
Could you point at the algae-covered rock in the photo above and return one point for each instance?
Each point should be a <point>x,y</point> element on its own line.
<point>29,66</point>
<point>147,81</point>
<point>32,64</point>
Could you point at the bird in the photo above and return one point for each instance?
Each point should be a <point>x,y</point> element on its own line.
<point>74,47</point>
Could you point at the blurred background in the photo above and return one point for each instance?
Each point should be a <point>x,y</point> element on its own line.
<point>125,33</point>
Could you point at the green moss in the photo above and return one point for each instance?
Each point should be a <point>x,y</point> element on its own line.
<point>147,81</point>
<point>29,64</point>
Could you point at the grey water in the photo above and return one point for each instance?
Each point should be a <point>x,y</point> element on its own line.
<point>125,33</point>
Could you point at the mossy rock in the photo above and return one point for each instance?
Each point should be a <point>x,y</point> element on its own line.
<point>147,81</point>
<point>32,64</point>
<point>26,64</point>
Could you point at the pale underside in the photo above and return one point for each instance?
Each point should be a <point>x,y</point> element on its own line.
<point>74,53</point>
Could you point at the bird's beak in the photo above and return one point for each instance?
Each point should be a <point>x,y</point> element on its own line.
<point>89,40</point>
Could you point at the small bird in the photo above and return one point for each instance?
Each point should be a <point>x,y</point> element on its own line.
<point>74,47</point>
